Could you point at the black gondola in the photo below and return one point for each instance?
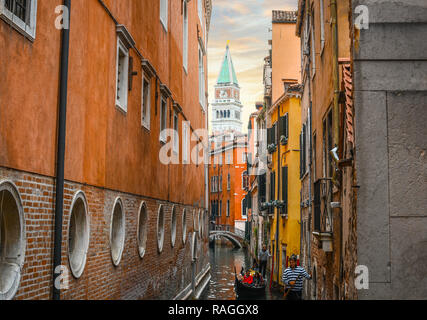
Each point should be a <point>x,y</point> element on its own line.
<point>243,289</point>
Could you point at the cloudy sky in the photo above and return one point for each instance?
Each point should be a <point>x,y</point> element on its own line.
<point>246,24</point>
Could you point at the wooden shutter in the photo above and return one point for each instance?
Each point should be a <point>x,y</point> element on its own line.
<point>285,187</point>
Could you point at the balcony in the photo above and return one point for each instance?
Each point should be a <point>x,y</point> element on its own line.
<point>323,213</point>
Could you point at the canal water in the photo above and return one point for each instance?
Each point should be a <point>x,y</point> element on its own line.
<point>223,259</point>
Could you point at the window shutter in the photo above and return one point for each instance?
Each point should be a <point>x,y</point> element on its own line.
<point>300,155</point>
<point>285,187</point>
<point>262,187</point>
<point>272,186</point>
<point>304,147</point>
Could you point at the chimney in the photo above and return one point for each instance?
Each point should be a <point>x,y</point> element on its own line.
<point>259,105</point>
<point>288,82</point>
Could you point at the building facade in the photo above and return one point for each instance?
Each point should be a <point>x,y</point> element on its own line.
<point>229,181</point>
<point>328,193</point>
<point>126,230</point>
<point>390,103</point>
<point>282,117</point>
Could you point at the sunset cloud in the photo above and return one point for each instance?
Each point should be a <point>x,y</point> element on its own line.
<point>246,24</point>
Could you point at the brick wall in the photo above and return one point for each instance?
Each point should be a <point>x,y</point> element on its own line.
<point>156,275</point>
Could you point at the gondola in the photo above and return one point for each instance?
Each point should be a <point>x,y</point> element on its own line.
<point>243,289</point>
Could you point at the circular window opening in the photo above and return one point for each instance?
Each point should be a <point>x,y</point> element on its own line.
<point>199,223</point>
<point>78,235</point>
<point>160,228</point>
<point>194,247</point>
<point>12,240</point>
<point>142,229</point>
<point>173,227</point>
<point>184,226</point>
<point>117,236</point>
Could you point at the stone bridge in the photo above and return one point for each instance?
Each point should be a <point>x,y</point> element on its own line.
<point>236,238</point>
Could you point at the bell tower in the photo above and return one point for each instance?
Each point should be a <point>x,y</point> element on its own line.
<point>227,108</point>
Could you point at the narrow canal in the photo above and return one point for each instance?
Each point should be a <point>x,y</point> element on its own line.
<point>223,260</point>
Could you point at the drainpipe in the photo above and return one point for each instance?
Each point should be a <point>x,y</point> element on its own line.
<point>62,116</point>
<point>278,193</point>
<point>335,74</point>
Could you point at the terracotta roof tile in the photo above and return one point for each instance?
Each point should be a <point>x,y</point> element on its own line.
<point>348,87</point>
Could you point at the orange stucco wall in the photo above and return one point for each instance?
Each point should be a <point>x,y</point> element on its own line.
<point>105,147</point>
<point>286,57</point>
<point>236,194</point>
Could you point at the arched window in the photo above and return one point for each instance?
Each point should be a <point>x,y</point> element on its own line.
<point>12,240</point>
<point>78,235</point>
<point>228,114</point>
<point>245,180</point>
<point>244,207</point>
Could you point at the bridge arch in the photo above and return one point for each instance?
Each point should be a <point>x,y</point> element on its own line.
<point>234,240</point>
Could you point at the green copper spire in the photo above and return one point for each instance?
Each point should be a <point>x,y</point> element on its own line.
<point>227,74</point>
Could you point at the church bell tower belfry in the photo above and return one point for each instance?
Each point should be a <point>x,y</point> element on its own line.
<point>227,108</point>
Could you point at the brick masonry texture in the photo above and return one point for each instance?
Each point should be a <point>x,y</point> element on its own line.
<point>155,276</point>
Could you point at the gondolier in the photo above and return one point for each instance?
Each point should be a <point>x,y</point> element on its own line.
<point>293,279</point>
<point>263,256</point>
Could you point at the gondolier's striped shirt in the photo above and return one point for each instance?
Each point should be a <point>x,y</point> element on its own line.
<point>292,274</point>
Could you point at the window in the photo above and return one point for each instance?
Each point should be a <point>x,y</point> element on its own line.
<point>163,118</point>
<point>117,232</point>
<point>142,229</point>
<point>303,152</point>
<point>146,102</point>
<point>220,184</point>
<point>202,84</point>
<point>21,14</point>
<point>228,182</point>
<point>12,240</point>
<point>122,71</point>
<point>164,13</point>
<point>78,235</point>
<point>200,10</point>
<point>173,227</point>
<point>175,134</point>
<point>184,226</point>
<point>284,127</point>
<point>185,35</point>
<point>322,27</point>
<point>220,208</point>
<point>244,208</point>
<point>185,144</point>
<point>160,228</point>
<point>314,157</point>
<point>313,52</point>
<point>245,180</point>
<point>228,208</point>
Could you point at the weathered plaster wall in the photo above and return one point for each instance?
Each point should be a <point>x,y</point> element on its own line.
<point>390,64</point>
